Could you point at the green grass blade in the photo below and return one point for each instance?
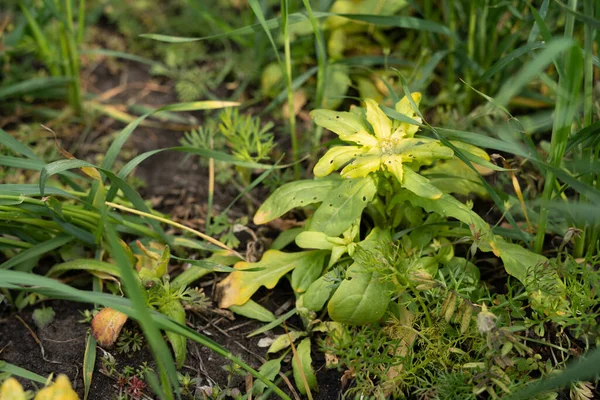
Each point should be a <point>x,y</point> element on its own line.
<point>401,22</point>
<point>116,146</point>
<point>31,189</point>
<point>535,30</point>
<point>532,70</point>
<point>84,264</point>
<point>585,368</point>
<point>586,19</point>
<point>89,362</point>
<point>32,86</point>
<point>16,146</point>
<point>36,251</point>
<point>122,55</point>
<point>510,57</point>
<point>567,105</point>
<point>321,54</point>
<point>21,372</point>
<point>270,25</point>
<point>134,291</point>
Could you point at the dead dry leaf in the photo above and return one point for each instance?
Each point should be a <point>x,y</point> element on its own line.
<point>107,325</point>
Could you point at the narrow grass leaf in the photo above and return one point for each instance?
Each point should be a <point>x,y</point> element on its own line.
<point>586,19</point>
<point>270,24</point>
<point>36,251</point>
<point>397,21</point>
<point>122,55</point>
<point>510,57</point>
<point>273,324</point>
<point>33,85</point>
<point>160,350</point>
<point>16,146</point>
<point>21,372</point>
<point>117,144</point>
<point>89,362</point>
<point>532,70</point>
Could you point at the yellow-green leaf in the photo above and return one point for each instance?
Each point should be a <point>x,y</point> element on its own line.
<point>382,125</point>
<point>343,206</point>
<point>294,194</point>
<point>240,285</point>
<point>59,390</point>
<point>283,341</point>
<point>12,390</point>
<point>419,185</point>
<point>302,367</point>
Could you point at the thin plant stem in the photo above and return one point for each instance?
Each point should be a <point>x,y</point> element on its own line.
<point>80,21</point>
<point>321,54</point>
<point>211,188</point>
<point>289,89</point>
<point>588,99</point>
<point>177,225</point>
<point>471,51</point>
<point>560,135</point>
<point>451,46</point>
<point>428,17</point>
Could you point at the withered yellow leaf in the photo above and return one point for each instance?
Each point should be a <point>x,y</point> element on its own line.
<point>12,390</point>
<point>59,390</point>
<point>107,325</point>
<point>240,285</point>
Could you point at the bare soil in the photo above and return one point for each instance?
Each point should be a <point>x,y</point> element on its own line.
<point>173,183</point>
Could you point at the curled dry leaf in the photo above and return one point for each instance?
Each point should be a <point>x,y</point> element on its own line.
<point>107,325</point>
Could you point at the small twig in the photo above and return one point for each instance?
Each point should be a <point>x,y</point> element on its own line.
<point>238,326</point>
<point>37,340</point>
<point>176,224</point>
<point>298,363</point>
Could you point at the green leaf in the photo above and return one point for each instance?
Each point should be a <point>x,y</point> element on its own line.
<point>284,341</point>
<point>294,194</point>
<point>239,286</point>
<point>175,311</point>
<point>314,240</point>
<point>42,317</point>
<point>361,299</point>
<point>343,123</point>
<point>16,146</point>
<point>319,292</point>
<point>269,370</point>
<point>286,237</point>
<point>343,206</point>
<point>84,264</point>
<point>33,85</point>
<point>454,176</point>
<point>518,260</point>
<point>153,271</point>
<point>302,367</point>
<point>306,273</point>
<point>252,309</point>
<point>21,372</point>
<point>36,251</point>
<point>336,86</point>
<point>89,362</point>
<point>419,185</point>
<point>584,368</point>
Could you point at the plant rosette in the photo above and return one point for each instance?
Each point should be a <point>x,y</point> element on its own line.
<point>381,189</point>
